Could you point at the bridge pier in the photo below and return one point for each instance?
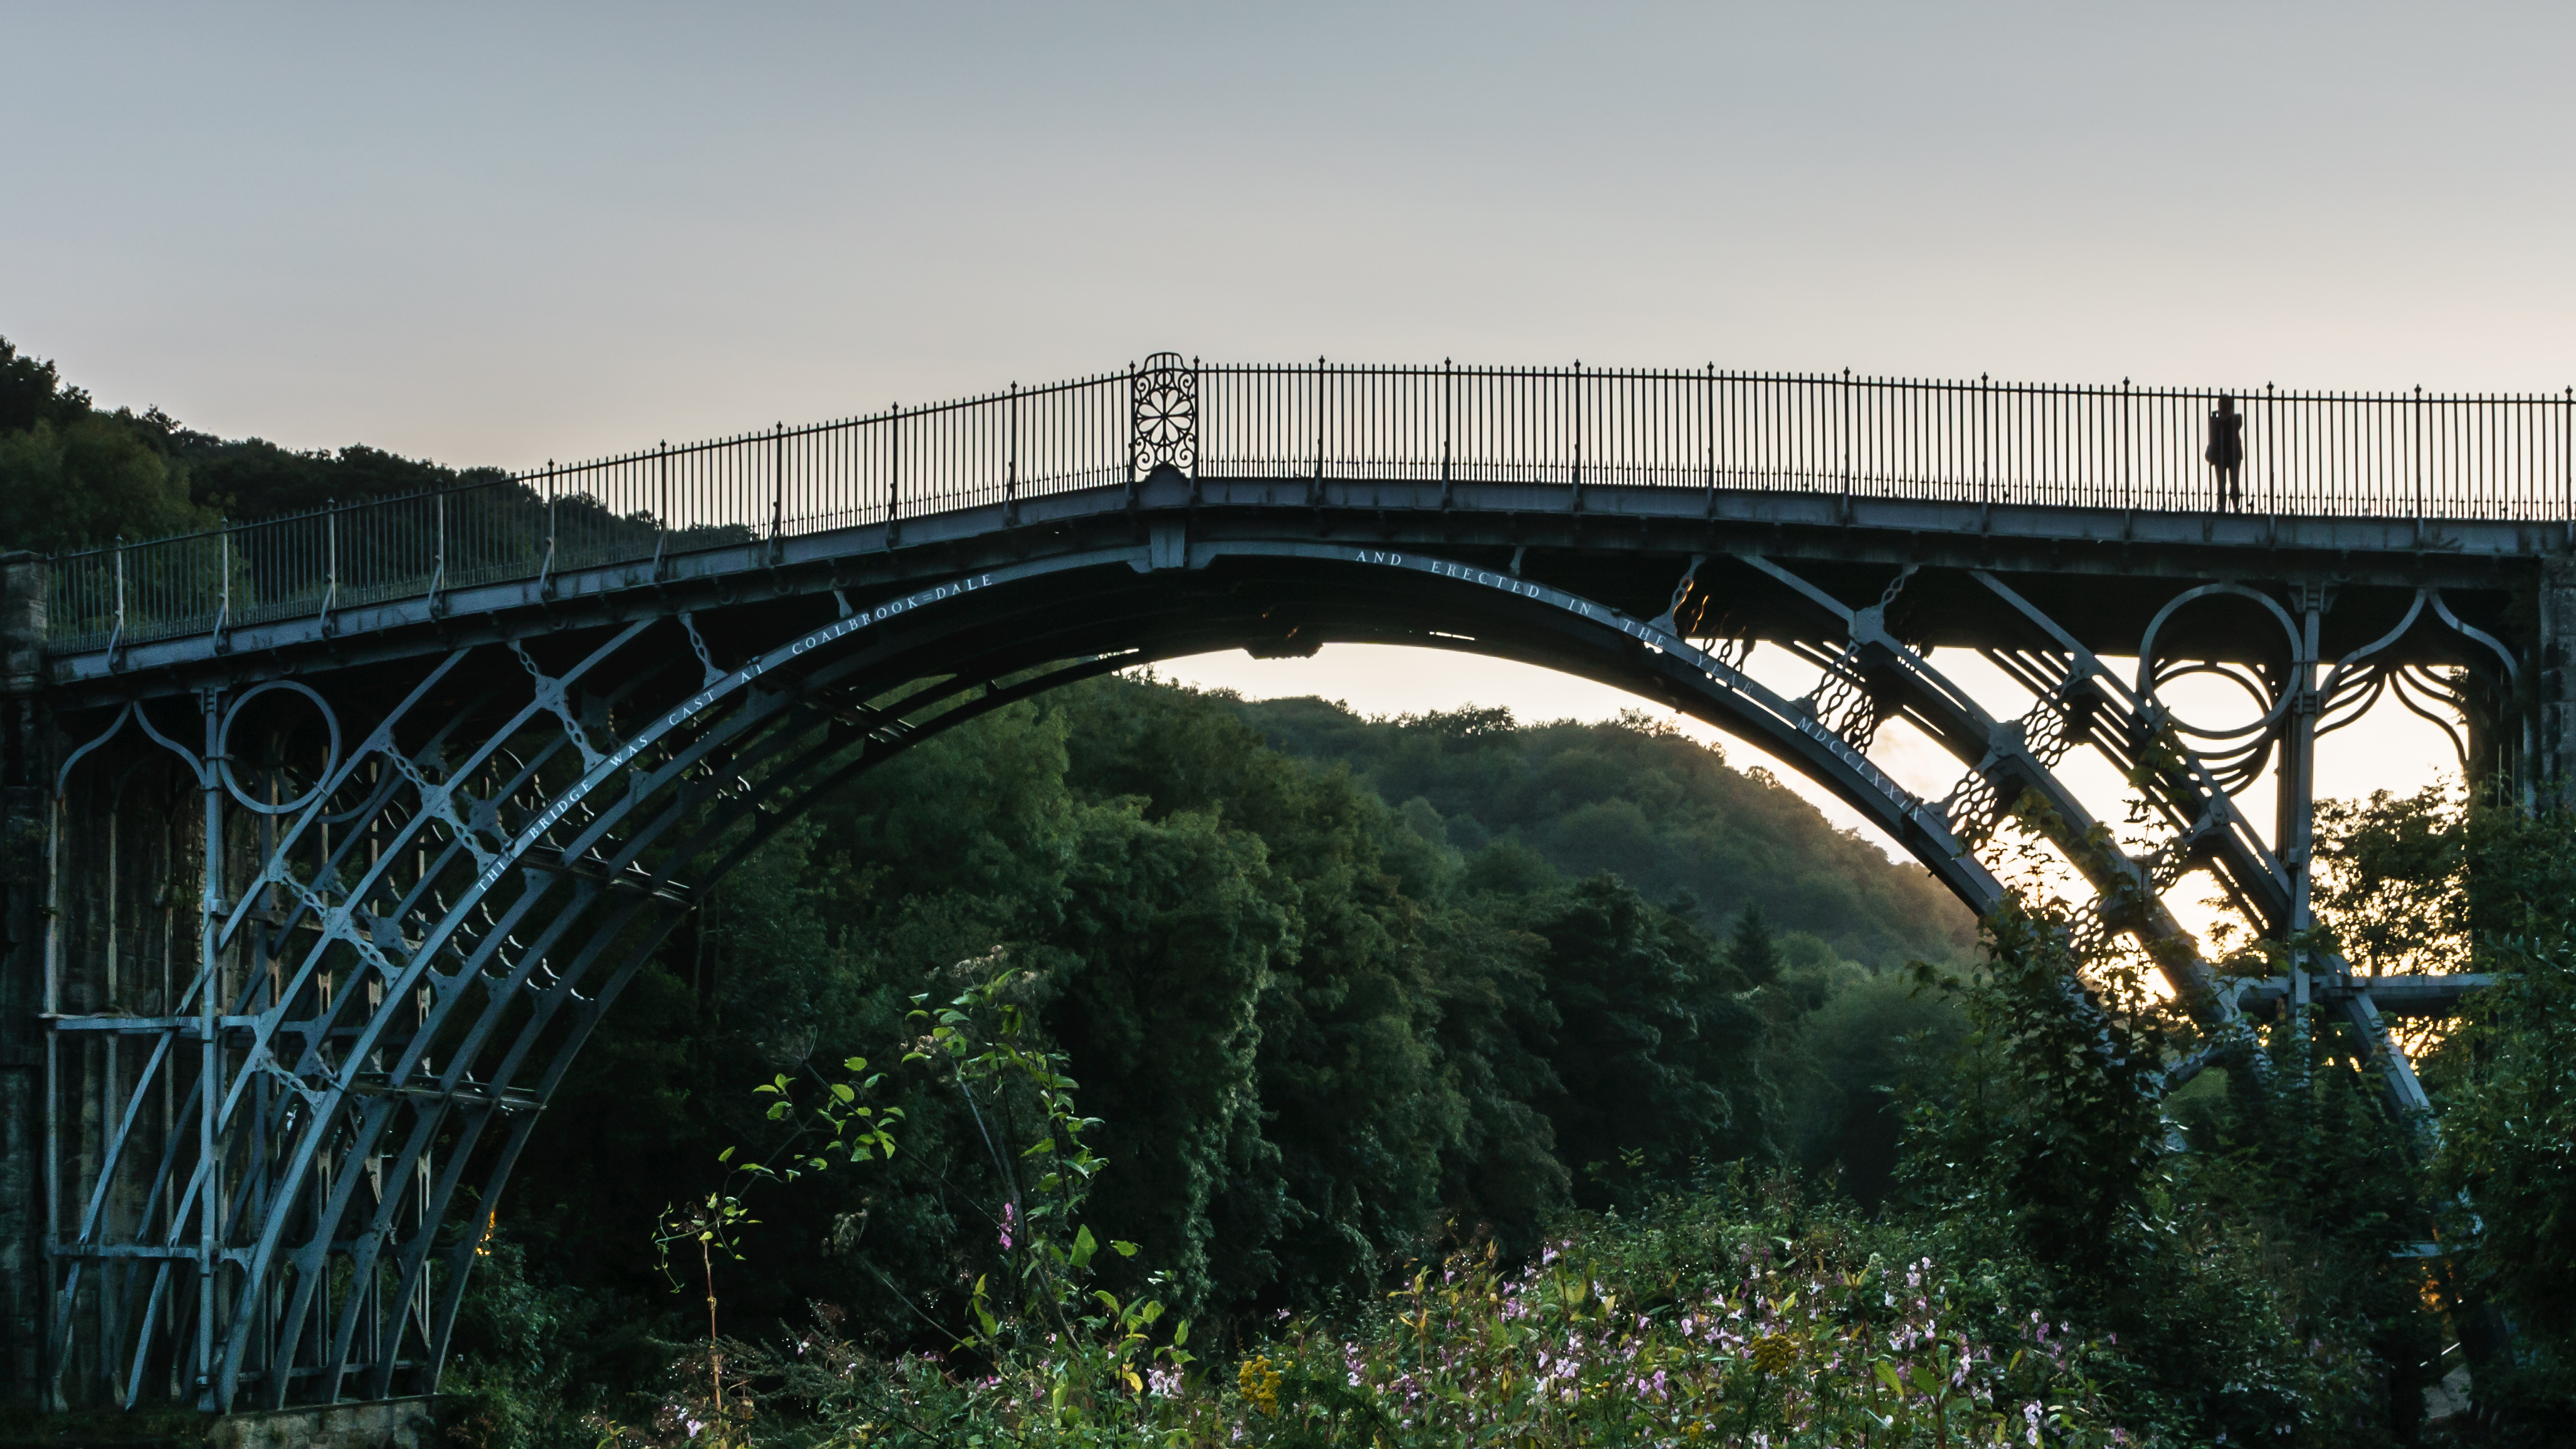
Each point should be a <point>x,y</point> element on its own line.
<point>2554,684</point>
<point>24,816</point>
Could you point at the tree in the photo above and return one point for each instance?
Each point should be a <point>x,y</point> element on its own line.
<point>1622,983</point>
<point>31,392</point>
<point>87,481</point>
<point>1750,951</point>
<point>2053,1124</point>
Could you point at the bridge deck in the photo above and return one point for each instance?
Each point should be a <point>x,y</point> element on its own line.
<point>2102,572</point>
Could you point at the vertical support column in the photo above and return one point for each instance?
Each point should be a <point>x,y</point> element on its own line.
<point>210,986</point>
<point>2553,686</point>
<point>2295,844</point>
<point>26,820</point>
<point>2294,819</point>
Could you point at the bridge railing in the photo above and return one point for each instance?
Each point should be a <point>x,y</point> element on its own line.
<point>2353,454</point>
<point>2403,455</point>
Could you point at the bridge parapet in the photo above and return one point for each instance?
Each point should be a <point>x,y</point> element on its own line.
<point>2429,462</point>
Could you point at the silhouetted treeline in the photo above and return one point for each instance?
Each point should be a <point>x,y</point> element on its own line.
<point>74,475</point>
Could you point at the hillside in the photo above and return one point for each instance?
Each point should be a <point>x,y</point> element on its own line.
<point>1664,812</point>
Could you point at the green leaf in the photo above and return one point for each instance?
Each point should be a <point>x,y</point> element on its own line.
<point>1084,1245</point>
<point>725,1156</point>
<point>1180,1333</point>
<point>1125,1250</point>
<point>855,1065</point>
<point>1887,1376</point>
<point>844,1092</point>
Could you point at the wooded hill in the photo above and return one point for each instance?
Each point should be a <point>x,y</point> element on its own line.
<point>1662,812</point>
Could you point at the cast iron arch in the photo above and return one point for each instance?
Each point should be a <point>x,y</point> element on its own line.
<point>500,849</point>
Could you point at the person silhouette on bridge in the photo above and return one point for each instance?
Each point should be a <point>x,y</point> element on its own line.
<point>2227,451</point>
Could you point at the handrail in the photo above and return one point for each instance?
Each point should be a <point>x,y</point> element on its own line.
<point>1582,428</point>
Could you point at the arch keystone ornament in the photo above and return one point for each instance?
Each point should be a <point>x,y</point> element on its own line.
<point>1166,415</point>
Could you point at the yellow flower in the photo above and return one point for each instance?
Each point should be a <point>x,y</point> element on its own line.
<point>1259,1383</point>
<point>1773,1352</point>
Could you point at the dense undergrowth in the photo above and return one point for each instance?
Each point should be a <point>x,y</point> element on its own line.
<point>2063,1248</point>
<point>1718,1317</point>
<point>2052,1271</point>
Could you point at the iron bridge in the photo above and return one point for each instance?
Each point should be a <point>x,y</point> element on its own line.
<point>330,838</point>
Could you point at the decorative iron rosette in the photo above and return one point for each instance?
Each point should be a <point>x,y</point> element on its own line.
<point>1167,414</point>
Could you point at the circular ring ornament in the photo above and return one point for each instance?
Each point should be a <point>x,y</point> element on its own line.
<point>2150,675</point>
<point>224,749</point>
<point>2256,689</point>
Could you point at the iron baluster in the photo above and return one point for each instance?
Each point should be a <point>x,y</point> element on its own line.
<point>1985,469</point>
<point>778,487</point>
<point>2128,480</point>
<point>331,559</point>
<point>1315,490</point>
<point>2416,415</point>
<point>118,632</point>
<point>1846,397</point>
<point>1708,433</point>
<point>2271,460</point>
<point>1575,476</point>
<point>546,566</point>
<point>224,580</point>
<point>662,513</point>
<point>1448,485</point>
<point>438,566</point>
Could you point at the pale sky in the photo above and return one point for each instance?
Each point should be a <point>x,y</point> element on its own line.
<point>504,234</point>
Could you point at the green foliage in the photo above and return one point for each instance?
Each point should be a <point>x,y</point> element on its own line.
<point>524,1373</point>
<point>987,1047</point>
<point>1635,798</point>
<point>1843,1067</point>
<point>2050,1127</point>
<point>1722,1318</point>
<point>32,392</point>
<point>2252,1281</point>
<point>74,476</point>
<point>1648,1039</point>
<point>2509,1155</point>
<point>2443,881</point>
<point>87,480</point>
<point>1316,1039</point>
<point>1750,951</point>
